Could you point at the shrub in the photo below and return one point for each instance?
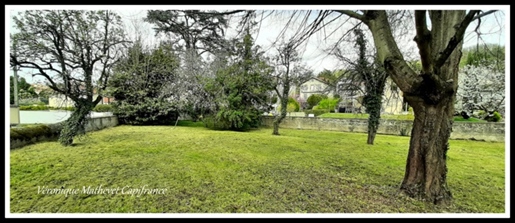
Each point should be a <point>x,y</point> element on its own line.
<point>139,83</point>
<point>292,106</point>
<point>329,103</point>
<point>33,107</point>
<point>295,106</point>
<point>149,111</point>
<point>20,136</point>
<point>212,122</point>
<point>62,108</point>
<point>315,99</point>
<point>103,108</point>
<point>495,117</point>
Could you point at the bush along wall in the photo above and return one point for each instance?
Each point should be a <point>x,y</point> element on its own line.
<point>31,134</point>
<point>21,136</point>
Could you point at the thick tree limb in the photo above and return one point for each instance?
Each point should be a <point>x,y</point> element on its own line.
<point>484,14</point>
<point>423,40</point>
<point>457,38</point>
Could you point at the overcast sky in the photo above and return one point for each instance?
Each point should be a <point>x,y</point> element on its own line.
<point>493,28</point>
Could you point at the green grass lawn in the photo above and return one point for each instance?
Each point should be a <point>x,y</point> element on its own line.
<point>397,117</point>
<point>205,171</point>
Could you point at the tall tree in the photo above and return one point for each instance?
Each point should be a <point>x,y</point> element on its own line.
<point>195,33</point>
<point>242,89</point>
<point>24,89</point>
<point>74,50</point>
<point>484,54</point>
<point>138,84</point>
<point>431,93</point>
<point>373,76</point>
<point>288,71</point>
<point>201,31</point>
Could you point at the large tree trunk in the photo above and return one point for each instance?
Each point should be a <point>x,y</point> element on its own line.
<point>430,92</point>
<point>426,167</point>
<point>371,136</point>
<point>373,125</point>
<point>75,124</point>
<point>278,119</point>
<point>373,106</point>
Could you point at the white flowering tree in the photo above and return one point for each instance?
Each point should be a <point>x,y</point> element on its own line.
<point>481,88</point>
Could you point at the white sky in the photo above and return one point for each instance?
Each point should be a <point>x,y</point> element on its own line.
<point>314,55</point>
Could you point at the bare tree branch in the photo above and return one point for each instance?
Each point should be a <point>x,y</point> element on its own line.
<point>352,14</point>
<point>457,38</point>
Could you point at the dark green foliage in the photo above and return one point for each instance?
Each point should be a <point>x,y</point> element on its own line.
<point>43,108</point>
<point>196,30</point>
<point>139,86</point>
<point>24,89</point>
<point>20,136</point>
<point>242,90</point>
<point>374,77</point>
<point>33,107</point>
<point>329,77</point>
<point>495,117</point>
<point>30,132</point>
<point>314,99</point>
<point>103,108</point>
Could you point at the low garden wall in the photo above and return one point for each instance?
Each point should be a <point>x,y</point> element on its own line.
<point>21,136</point>
<point>487,131</point>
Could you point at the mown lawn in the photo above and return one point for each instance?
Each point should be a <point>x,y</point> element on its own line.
<point>396,117</point>
<point>205,171</point>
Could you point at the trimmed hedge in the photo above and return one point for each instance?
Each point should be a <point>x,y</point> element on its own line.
<point>98,108</point>
<point>43,108</point>
<point>103,108</point>
<point>20,136</point>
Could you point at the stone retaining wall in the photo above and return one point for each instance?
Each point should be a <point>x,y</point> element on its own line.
<point>487,131</point>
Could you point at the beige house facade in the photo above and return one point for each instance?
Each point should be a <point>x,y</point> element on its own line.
<point>315,86</point>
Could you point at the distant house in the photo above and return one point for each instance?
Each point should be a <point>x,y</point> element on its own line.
<point>352,93</point>
<point>60,101</point>
<point>393,99</point>
<point>38,87</point>
<point>315,86</point>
